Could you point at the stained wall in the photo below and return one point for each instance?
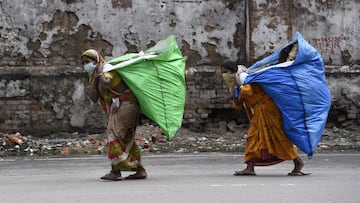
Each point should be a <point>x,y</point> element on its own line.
<point>43,88</point>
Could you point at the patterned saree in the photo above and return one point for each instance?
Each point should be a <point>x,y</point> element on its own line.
<point>123,152</point>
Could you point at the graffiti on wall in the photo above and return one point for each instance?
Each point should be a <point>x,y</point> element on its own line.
<point>121,3</point>
<point>328,45</point>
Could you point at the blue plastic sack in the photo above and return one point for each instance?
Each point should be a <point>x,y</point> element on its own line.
<point>300,91</point>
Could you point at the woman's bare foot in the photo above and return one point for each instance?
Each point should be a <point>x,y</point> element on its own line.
<point>249,170</point>
<point>299,165</point>
<point>244,173</point>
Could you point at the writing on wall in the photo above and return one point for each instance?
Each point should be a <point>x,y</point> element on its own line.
<point>328,45</point>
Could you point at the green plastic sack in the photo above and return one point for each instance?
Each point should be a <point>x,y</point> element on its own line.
<point>157,78</point>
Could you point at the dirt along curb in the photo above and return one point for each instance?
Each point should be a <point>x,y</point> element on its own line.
<point>150,139</point>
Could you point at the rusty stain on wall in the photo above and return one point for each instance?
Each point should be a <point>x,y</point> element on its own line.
<point>212,54</point>
<point>192,56</point>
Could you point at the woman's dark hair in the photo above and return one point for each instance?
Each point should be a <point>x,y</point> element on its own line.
<point>230,65</point>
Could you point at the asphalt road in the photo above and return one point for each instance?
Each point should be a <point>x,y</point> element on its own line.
<point>180,178</point>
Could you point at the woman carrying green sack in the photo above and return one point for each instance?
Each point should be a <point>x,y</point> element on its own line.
<point>121,108</point>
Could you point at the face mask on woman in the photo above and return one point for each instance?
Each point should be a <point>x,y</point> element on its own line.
<point>89,67</point>
<point>229,79</point>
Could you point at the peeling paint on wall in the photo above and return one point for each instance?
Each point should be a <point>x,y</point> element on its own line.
<point>274,36</point>
<point>78,110</point>
<point>41,32</point>
<point>269,27</point>
<point>36,32</point>
<point>63,31</point>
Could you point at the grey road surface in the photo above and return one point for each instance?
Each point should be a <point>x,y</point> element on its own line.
<point>180,178</point>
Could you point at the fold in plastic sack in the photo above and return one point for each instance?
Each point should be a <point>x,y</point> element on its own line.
<point>157,79</point>
<point>300,91</point>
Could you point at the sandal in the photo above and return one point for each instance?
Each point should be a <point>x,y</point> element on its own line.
<point>297,173</point>
<point>137,175</point>
<point>113,176</point>
<point>244,173</point>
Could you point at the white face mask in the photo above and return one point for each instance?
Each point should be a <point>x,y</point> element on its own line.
<point>89,67</point>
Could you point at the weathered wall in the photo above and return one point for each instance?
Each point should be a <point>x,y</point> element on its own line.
<point>208,32</point>
<point>44,100</point>
<point>344,85</point>
<point>55,32</point>
<point>331,26</point>
<point>43,88</point>
<point>209,101</point>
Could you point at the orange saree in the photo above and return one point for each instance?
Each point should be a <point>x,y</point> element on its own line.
<point>266,142</point>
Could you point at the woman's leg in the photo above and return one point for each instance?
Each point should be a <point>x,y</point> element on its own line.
<point>114,149</point>
<point>140,170</point>
<point>298,164</point>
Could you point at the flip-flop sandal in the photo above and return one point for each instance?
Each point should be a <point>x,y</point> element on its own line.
<point>111,177</point>
<point>298,173</point>
<point>135,177</point>
<point>242,173</point>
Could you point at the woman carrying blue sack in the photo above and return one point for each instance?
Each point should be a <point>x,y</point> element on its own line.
<point>266,142</point>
